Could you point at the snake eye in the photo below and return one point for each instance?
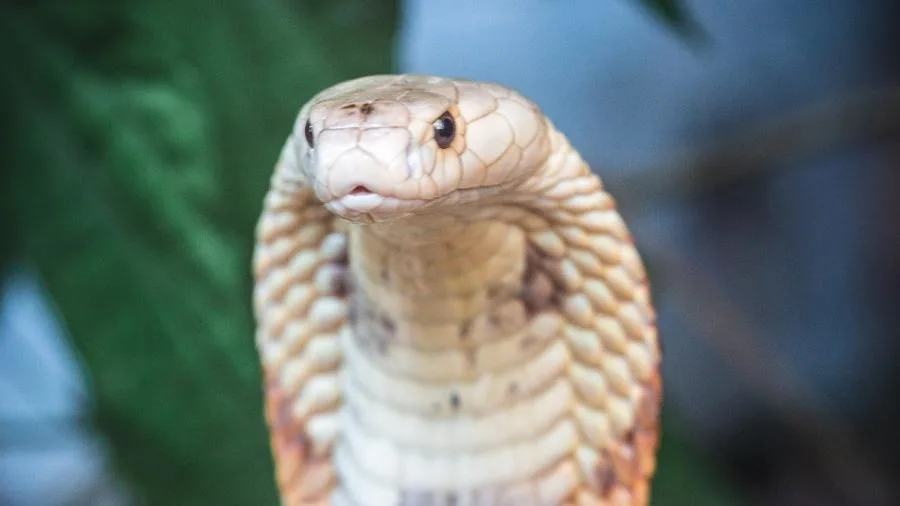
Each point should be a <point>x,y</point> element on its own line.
<point>444,130</point>
<point>308,131</point>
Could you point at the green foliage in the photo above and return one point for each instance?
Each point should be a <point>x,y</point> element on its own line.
<point>144,134</point>
<point>140,139</point>
<point>678,18</point>
<point>671,11</point>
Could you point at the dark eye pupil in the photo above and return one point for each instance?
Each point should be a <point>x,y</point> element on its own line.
<point>308,131</point>
<point>444,130</point>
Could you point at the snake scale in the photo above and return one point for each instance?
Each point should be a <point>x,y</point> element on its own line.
<point>450,309</point>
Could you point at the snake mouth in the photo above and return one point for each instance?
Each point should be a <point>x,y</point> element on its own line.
<point>365,206</point>
<point>370,207</point>
<point>365,203</point>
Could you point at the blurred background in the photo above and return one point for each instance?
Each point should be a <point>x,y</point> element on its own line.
<point>752,146</point>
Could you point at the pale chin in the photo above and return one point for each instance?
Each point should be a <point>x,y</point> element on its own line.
<point>371,207</point>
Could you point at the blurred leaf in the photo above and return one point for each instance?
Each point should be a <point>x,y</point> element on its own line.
<point>671,11</point>
<point>677,17</point>
<point>143,137</point>
<point>685,476</point>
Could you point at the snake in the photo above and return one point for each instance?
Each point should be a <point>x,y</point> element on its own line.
<point>449,308</point>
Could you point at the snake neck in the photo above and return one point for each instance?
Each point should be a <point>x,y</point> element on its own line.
<point>465,252</point>
<point>499,355</point>
<point>456,267</point>
<point>436,274</point>
<point>455,356</point>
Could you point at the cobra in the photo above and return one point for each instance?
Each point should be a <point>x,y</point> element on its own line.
<point>450,309</point>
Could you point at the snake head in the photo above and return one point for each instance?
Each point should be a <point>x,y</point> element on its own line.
<point>383,147</point>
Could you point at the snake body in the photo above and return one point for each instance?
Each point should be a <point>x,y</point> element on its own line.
<point>450,309</point>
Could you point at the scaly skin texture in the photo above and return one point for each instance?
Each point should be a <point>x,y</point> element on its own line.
<point>462,325</point>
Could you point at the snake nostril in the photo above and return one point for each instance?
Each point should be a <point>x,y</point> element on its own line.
<point>358,189</point>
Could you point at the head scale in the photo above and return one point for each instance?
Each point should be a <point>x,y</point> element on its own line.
<point>382,147</point>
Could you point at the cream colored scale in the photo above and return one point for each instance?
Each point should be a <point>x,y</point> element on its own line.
<point>450,309</point>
